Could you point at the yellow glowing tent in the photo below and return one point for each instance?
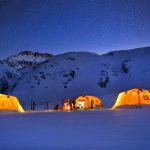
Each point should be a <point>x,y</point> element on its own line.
<point>10,103</point>
<point>87,102</point>
<point>133,97</point>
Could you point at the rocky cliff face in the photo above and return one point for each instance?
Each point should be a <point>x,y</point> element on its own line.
<point>26,59</point>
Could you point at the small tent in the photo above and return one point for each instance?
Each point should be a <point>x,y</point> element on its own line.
<point>88,102</point>
<point>10,103</point>
<point>134,97</point>
<point>68,104</point>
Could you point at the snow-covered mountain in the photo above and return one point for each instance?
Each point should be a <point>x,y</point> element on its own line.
<point>14,67</point>
<point>8,76</point>
<point>26,59</point>
<point>78,73</point>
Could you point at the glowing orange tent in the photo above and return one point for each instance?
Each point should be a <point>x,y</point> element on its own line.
<point>87,102</point>
<point>10,103</point>
<point>134,97</point>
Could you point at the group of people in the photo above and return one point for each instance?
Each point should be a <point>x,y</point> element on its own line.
<point>67,104</point>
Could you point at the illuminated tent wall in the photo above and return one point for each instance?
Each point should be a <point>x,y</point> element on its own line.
<point>85,102</point>
<point>133,97</point>
<point>10,103</point>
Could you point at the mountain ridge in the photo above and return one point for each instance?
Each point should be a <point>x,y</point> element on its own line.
<point>79,73</point>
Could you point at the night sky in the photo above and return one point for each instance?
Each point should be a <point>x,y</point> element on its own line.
<point>58,26</point>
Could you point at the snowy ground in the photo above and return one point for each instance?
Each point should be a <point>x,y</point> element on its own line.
<point>96,130</point>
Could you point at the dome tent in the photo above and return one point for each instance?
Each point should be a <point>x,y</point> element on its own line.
<point>134,97</point>
<point>10,103</point>
<point>87,102</point>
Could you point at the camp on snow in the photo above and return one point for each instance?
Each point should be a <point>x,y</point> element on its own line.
<point>68,104</point>
<point>10,103</point>
<point>132,98</point>
<point>88,102</point>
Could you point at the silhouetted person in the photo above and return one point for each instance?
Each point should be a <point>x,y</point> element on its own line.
<point>56,107</point>
<point>47,105</point>
<point>73,102</point>
<point>92,102</point>
<point>33,105</point>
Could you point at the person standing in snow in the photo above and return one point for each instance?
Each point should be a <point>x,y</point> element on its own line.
<point>33,105</point>
<point>56,107</point>
<point>47,105</point>
<point>92,102</point>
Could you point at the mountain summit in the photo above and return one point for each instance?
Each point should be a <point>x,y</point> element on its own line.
<point>26,59</point>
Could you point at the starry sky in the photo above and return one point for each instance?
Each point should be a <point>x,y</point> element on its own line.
<point>58,26</point>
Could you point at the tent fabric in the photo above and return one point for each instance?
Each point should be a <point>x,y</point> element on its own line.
<point>10,103</point>
<point>133,97</point>
<point>87,102</point>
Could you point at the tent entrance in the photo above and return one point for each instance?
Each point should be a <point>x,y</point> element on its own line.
<point>81,104</point>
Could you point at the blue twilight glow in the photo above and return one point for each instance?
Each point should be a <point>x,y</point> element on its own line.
<point>58,26</point>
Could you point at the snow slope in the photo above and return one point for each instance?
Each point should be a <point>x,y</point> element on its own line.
<point>80,73</point>
<point>8,77</point>
<point>86,130</point>
<point>13,68</point>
